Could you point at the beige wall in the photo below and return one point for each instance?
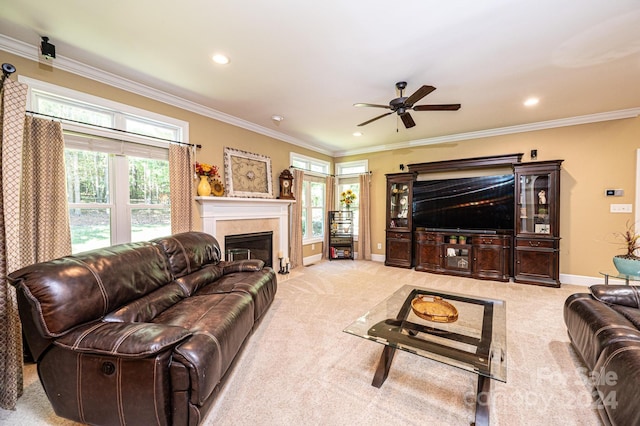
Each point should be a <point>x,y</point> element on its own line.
<point>597,156</point>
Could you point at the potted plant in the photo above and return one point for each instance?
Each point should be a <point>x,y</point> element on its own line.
<point>462,239</point>
<point>453,239</point>
<point>629,263</point>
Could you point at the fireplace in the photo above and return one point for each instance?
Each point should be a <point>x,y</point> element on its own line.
<point>258,244</point>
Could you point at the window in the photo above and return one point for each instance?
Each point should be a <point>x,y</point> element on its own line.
<point>313,196</point>
<point>117,183</point>
<point>347,177</point>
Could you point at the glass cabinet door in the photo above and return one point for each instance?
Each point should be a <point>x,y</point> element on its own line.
<point>399,205</point>
<point>534,207</point>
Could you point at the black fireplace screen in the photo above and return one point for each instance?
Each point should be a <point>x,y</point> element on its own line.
<point>256,245</point>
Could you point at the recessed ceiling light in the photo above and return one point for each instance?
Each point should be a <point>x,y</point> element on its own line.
<point>277,118</point>
<point>357,133</point>
<point>531,102</point>
<point>220,59</point>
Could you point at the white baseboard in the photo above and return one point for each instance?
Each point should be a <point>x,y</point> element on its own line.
<point>378,257</point>
<point>310,260</point>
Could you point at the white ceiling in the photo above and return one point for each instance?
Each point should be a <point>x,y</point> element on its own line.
<point>311,61</point>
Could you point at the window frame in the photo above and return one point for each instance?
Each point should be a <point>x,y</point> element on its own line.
<point>344,178</point>
<point>118,144</point>
<point>315,170</point>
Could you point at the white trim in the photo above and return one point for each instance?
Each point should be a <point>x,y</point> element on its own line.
<point>500,131</point>
<point>216,209</point>
<point>63,63</point>
<point>30,52</point>
<point>378,257</point>
<point>343,165</point>
<point>310,260</point>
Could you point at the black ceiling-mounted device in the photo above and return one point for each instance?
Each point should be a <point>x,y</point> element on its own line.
<point>47,49</point>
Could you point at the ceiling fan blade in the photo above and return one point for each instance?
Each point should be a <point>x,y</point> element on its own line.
<point>407,120</point>
<point>374,119</point>
<point>442,107</point>
<point>419,94</point>
<point>371,105</point>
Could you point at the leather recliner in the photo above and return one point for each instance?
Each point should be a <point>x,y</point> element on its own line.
<point>140,333</point>
<point>604,328</point>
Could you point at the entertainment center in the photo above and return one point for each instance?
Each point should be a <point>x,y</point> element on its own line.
<point>488,224</point>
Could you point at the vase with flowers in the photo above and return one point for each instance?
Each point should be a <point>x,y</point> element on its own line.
<point>205,172</point>
<point>347,198</point>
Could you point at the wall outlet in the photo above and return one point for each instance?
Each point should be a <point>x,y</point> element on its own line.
<point>379,246</point>
<point>313,246</point>
<point>621,208</point>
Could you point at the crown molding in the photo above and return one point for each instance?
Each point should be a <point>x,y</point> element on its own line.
<point>500,131</point>
<point>30,52</point>
<point>63,63</point>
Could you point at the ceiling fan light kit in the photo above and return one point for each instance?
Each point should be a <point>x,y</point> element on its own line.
<point>402,105</point>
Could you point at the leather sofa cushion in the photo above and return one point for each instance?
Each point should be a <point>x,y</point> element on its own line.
<point>149,306</point>
<point>190,251</point>
<point>192,282</point>
<point>77,289</point>
<point>219,323</point>
<point>246,265</point>
<point>125,340</point>
<point>625,295</point>
<point>632,314</point>
<point>260,285</point>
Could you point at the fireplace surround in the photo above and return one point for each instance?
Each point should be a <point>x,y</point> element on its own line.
<point>222,216</point>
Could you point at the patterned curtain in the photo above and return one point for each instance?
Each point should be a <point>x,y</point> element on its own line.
<point>44,214</point>
<point>12,109</point>
<point>181,175</point>
<point>296,220</point>
<point>329,204</point>
<point>364,229</point>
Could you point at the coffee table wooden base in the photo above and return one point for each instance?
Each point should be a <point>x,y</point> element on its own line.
<point>482,394</point>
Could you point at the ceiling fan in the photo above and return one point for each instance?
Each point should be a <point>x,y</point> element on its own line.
<point>403,105</point>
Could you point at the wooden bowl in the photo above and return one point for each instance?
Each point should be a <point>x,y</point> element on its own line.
<point>433,308</point>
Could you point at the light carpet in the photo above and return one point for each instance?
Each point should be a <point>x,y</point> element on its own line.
<point>299,367</point>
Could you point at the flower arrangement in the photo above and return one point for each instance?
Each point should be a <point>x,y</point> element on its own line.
<point>347,198</point>
<point>204,169</point>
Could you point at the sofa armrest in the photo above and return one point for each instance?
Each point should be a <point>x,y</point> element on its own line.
<point>126,340</point>
<point>625,295</point>
<point>247,265</point>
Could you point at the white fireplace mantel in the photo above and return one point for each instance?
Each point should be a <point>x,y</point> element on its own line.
<point>216,209</point>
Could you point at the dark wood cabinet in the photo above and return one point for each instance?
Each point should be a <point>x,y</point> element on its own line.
<point>537,223</point>
<point>428,251</point>
<point>399,227</point>
<point>482,256</point>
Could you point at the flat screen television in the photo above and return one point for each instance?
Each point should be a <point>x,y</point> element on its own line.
<point>482,204</point>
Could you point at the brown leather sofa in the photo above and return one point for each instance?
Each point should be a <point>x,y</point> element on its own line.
<point>604,328</point>
<point>140,333</point>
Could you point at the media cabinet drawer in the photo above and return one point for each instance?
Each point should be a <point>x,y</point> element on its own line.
<point>429,237</point>
<point>489,240</point>
<point>399,235</point>
<point>535,243</point>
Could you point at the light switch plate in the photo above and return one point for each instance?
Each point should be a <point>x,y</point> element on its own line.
<point>621,208</point>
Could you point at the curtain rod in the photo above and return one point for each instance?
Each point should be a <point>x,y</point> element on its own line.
<point>112,128</point>
<point>326,174</point>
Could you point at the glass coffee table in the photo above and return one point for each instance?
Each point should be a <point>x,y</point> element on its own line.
<point>475,340</point>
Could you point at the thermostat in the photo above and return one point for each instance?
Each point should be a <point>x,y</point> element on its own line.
<point>614,192</point>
